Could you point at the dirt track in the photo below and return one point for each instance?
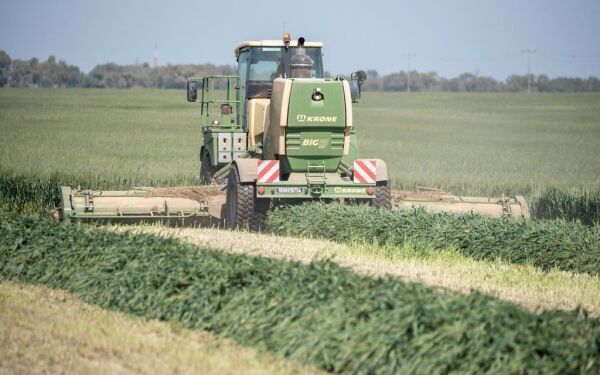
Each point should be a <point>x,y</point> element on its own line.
<point>197,193</point>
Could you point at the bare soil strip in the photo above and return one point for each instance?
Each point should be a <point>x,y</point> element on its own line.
<point>197,193</point>
<point>520,284</point>
<point>46,331</point>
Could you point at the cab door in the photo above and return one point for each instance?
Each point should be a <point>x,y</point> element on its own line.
<point>242,73</point>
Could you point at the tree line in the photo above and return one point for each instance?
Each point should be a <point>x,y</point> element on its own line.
<point>53,73</point>
<point>468,82</point>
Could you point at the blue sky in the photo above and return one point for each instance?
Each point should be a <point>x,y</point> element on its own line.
<point>450,37</point>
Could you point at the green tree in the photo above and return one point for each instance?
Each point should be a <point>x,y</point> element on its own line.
<point>21,74</point>
<point>5,63</point>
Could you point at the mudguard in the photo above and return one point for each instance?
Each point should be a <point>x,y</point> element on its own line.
<point>382,170</point>
<point>247,169</point>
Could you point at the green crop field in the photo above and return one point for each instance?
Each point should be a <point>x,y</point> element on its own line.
<point>465,143</point>
<point>141,136</point>
<point>484,143</point>
<point>543,146</point>
<point>318,314</point>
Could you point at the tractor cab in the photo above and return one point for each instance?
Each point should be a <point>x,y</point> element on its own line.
<point>260,62</point>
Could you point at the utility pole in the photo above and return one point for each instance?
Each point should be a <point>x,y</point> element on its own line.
<point>529,52</point>
<point>408,57</point>
<point>155,56</point>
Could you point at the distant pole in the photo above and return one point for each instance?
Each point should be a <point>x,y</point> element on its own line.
<point>529,52</point>
<point>155,56</point>
<point>408,57</point>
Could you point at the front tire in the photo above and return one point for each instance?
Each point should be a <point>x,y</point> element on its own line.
<point>243,209</point>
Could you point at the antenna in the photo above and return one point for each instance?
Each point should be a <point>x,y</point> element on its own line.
<point>529,52</point>
<point>408,57</point>
<point>155,56</point>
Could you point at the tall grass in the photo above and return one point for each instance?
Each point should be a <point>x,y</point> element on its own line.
<point>553,203</point>
<point>482,144</point>
<point>319,313</point>
<point>38,193</point>
<point>470,144</point>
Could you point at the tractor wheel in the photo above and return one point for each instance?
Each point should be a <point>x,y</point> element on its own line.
<point>243,209</point>
<point>383,196</point>
<point>207,171</point>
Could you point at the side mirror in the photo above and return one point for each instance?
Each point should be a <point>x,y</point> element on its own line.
<point>192,90</point>
<point>356,80</point>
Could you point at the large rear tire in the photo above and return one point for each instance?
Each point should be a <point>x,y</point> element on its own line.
<point>383,196</point>
<point>243,209</point>
<point>207,171</point>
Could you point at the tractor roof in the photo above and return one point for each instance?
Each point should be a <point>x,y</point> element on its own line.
<point>273,43</point>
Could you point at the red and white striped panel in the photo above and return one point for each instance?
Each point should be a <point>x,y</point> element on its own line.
<point>268,171</point>
<point>365,171</point>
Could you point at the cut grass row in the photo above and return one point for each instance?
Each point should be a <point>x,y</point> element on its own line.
<point>47,331</point>
<point>318,313</point>
<point>546,245</point>
<point>524,285</point>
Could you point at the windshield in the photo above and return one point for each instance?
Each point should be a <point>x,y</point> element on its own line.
<point>268,63</point>
<point>264,63</point>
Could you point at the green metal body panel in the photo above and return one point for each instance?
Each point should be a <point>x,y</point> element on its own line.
<point>315,131</point>
<point>212,99</point>
<point>314,164</point>
<point>315,186</point>
<point>218,91</point>
<point>353,154</point>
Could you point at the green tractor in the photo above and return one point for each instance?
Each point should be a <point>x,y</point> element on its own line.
<point>280,131</point>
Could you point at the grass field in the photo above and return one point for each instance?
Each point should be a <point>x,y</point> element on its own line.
<point>484,143</point>
<point>142,136</point>
<point>465,143</point>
